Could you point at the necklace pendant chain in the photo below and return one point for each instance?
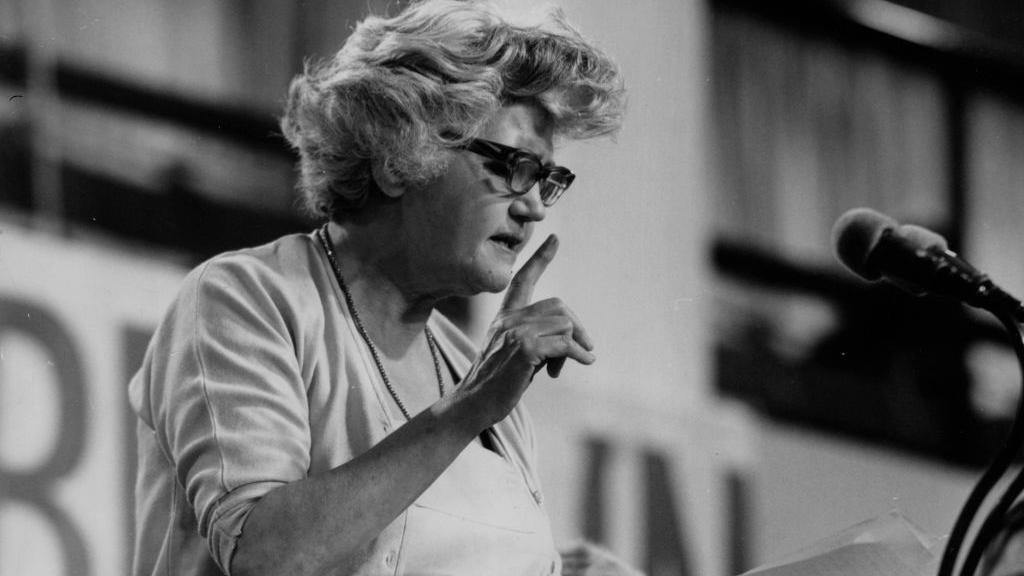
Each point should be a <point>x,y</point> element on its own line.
<point>325,241</point>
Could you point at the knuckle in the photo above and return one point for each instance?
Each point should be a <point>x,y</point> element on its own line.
<point>565,324</point>
<point>562,308</point>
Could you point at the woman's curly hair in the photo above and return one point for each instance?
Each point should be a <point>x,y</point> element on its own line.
<point>405,90</point>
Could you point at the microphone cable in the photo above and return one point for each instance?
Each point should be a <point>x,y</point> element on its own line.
<point>996,518</point>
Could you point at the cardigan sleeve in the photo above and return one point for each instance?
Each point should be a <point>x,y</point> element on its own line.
<point>232,411</point>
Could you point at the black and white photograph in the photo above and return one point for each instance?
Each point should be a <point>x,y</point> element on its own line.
<point>511,288</point>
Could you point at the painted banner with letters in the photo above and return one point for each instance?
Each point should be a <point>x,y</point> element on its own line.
<point>661,487</point>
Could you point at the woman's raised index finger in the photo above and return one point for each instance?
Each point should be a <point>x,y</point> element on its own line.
<point>520,290</point>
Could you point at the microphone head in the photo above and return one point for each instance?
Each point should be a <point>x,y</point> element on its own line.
<point>854,237</point>
<point>922,237</point>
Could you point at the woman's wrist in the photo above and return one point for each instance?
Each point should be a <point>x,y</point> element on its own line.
<point>461,413</point>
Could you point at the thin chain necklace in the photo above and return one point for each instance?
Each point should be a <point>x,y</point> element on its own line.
<point>325,241</point>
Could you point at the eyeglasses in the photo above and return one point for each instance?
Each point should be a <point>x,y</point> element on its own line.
<point>523,170</point>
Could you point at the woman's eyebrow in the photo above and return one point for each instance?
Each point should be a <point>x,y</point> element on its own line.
<point>538,148</point>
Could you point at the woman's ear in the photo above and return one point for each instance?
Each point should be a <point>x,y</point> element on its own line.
<point>389,183</point>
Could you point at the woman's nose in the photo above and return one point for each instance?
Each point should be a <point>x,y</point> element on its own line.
<point>529,206</point>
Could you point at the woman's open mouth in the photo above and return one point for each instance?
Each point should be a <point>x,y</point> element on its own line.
<point>508,241</point>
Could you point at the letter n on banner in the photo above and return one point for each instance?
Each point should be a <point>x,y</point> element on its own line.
<point>666,549</point>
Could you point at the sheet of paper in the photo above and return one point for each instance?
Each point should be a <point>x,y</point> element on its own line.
<point>850,560</point>
<point>886,546</point>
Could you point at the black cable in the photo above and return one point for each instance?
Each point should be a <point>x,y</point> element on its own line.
<point>996,518</point>
<point>966,516</point>
<point>992,526</point>
<point>1000,464</point>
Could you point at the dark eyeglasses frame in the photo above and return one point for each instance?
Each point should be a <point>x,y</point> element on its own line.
<point>554,180</point>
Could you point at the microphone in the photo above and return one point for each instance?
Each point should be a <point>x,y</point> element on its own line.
<point>874,246</point>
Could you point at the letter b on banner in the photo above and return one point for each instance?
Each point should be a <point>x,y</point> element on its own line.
<point>53,384</point>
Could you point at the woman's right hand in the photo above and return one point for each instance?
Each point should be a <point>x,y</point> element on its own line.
<point>522,339</point>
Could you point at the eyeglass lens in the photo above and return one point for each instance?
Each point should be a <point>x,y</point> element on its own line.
<point>551,191</point>
<point>526,173</point>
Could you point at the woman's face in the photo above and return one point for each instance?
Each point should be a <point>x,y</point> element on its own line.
<point>465,229</point>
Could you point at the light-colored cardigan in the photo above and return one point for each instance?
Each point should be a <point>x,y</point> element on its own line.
<point>256,378</point>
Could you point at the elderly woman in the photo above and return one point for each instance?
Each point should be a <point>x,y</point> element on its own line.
<point>302,408</point>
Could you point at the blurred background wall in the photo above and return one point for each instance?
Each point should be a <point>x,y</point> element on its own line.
<point>749,397</point>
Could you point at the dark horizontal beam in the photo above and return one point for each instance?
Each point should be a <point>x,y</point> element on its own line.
<point>245,126</point>
<point>766,268</point>
<point>176,217</point>
<point>251,128</point>
<point>13,65</point>
<point>751,265</point>
<point>908,416</point>
<point>951,51</point>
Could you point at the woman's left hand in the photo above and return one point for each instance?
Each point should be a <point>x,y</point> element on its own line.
<point>587,559</point>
